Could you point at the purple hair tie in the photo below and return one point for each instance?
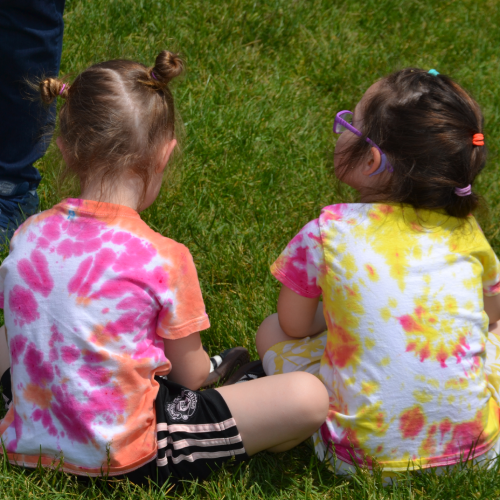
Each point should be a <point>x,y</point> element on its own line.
<point>154,76</point>
<point>466,191</point>
<point>62,89</point>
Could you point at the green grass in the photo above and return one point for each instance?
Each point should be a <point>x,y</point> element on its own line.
<point>264,81</point>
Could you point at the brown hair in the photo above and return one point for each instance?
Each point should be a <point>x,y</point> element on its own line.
<point>424,124</point>
<point>116,116</point>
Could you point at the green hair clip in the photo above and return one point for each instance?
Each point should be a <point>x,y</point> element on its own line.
<point>433,72</point>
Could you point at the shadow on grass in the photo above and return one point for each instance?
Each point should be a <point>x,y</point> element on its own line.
<point>296,474</point>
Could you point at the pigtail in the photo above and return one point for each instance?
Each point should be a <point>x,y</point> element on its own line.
<point>430,128</point>
<point>167,67</point>
<point>463,200</point>
<point>50,88</point>
<point>119,115</point>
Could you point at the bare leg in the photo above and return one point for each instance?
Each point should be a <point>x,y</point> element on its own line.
<point>279,412</point>
<point>269,334</point>
<point>4,351</point>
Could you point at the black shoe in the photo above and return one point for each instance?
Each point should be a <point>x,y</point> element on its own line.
<point>250,371</point>
<point>225,363</point>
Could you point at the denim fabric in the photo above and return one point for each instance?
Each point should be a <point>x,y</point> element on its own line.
<point>31,33</point>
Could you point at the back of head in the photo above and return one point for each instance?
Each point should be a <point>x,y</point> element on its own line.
<point>425,125</point>
<point>116,116</point>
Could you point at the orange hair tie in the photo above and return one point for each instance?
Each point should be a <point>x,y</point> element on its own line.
<point>478,140</point>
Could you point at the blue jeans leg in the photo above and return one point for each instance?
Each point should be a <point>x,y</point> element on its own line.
<point>31,33</point>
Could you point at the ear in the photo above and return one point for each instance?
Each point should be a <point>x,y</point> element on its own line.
<point>373,162</point>
<point>165,153</point>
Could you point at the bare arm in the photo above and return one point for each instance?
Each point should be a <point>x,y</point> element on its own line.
<point>492,308</point>
<point>190,363</point>
<point>300,316</point>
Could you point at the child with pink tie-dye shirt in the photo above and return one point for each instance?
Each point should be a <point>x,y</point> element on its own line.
<point>409,286</point>
<point>103,314</point>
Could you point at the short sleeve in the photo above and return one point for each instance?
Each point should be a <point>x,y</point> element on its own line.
<point>183,309</point>
<point>491,272</point>
<point>301,263</point>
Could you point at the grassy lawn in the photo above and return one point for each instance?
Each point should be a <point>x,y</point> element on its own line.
<point>264,81</point>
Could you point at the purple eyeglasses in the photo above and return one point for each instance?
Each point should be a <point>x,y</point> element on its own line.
<point>343,121</point>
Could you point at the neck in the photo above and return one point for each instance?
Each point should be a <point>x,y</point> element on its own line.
<point>371,195</point>
<point>121,192</point>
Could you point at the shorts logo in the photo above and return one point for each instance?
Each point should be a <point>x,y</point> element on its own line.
<point>183,406</point>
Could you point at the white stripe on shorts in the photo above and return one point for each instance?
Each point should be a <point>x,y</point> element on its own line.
<point>185,443</point>
<point>163,443</point>
<point>217,427</point>
<point>203,443</point>
<point>160,462</point>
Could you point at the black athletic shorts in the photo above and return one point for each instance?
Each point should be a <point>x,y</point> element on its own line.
<point>196,434</point>
<point>195,431</point>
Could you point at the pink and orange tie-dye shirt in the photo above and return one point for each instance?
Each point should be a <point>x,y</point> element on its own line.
<point>405,350</point>
<point>89,291</point>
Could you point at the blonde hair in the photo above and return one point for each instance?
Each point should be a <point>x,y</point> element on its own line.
<point>115,117</point>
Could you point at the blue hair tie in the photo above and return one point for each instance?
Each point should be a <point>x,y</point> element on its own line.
<point>433,72</point>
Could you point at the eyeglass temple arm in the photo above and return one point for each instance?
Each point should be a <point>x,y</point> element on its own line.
<point>383,160</point>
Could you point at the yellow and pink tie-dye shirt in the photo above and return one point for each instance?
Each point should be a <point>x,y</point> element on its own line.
<point>89,292</point>
<point>405,351</point>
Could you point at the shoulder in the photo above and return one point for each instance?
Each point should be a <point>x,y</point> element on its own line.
<point>468,235</point>
<point>348,213</point>
<point>335,212</point>
<point>33,227</point>
<point>345,211</point>
<point>474,228</point>
<point>312,229</point>
<point>165,247</point>
<point>37,220</point>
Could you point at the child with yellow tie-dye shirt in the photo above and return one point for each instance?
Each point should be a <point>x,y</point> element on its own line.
<point>409,286</point>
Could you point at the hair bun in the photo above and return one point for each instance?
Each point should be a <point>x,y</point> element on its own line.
<point>50,88</point>
<point>167,66</point>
